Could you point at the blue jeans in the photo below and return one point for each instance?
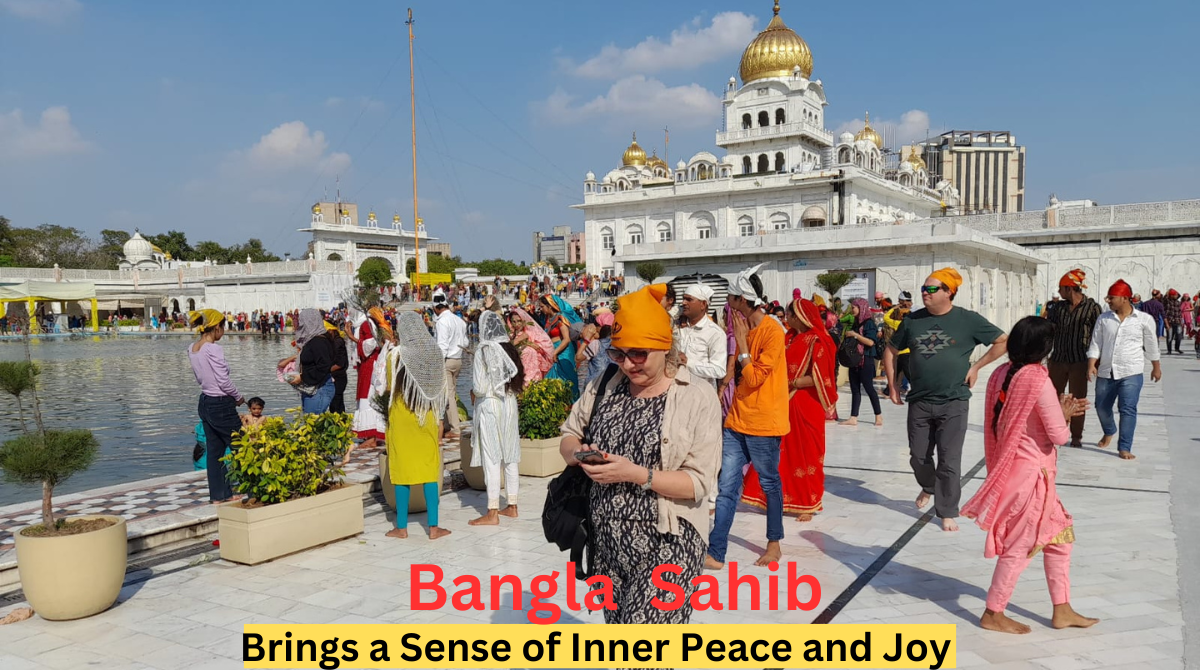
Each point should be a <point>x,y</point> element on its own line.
<point>318,403</point>
<point>221,420</point>
<point>736,451</point>
<point>1126,393</point>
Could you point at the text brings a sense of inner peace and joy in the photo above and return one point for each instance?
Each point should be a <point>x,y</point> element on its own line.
<point>599,593</point>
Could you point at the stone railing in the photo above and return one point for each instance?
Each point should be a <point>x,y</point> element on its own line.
<point>795,128</point>
<point>194,274</point>
<point>1105,216</point>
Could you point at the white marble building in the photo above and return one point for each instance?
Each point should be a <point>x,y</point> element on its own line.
<point>338,236</point>
<point>782,169</point>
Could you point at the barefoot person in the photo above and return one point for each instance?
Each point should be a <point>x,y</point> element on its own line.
<point>1124,338</point>
<point>941,337</point>
<point>1074,318</point>
<point>374,338</point>
<point>757,420</point>
<point>1024,422</point>
<point>495,442</point>
<point>219,398</point>
<point>417,393</point>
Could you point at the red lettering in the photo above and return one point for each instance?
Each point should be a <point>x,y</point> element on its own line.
<point>795,581</point>
<point>773,587</point>
<point>571,601</point>
<point>514,582</point>
<point>474,592</point>
<point>657,580</point>
<point>706,585</point>
<point>735,582</point>
<point>606,601</point>
<point>414,576</point>
<point>544,587</point>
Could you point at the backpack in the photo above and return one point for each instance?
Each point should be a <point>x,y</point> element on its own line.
<point>849,354</point>
<point>566,516</point>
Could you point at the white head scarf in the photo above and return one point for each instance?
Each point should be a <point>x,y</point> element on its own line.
<point>700,292</point>
<point>418,354</point>
<point>493,367</point>
<point>309,325</point>
<point>741,286</point>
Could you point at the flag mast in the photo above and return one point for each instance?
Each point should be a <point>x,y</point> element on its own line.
<point>412,89</point>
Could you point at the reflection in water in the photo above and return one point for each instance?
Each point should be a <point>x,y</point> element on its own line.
<point>139,397</point>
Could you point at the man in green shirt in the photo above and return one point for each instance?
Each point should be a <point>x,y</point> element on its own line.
<point>941,338</point>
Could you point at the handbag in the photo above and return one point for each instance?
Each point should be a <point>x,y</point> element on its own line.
<point>850,353</point>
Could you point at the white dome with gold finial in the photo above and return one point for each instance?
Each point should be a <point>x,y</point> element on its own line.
<point>634,155</point>
<point>868,133</point>
<point>776,52</point>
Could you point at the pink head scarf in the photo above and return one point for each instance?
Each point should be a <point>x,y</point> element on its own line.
<point>538,337</point>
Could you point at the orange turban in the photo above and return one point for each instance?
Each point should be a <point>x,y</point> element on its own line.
<point>1073,278</point>
<point>641,322</point>
<point>949,277</point>
<point>658,291</point>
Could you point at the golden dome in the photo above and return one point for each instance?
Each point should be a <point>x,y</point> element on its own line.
<point>395,218</point>
<point>655,161</point>
<point>775,53</point>
<point>915,160</point>
<point>868,133</point>
<point>371,215</point>
<point>634,155</point>
<point>316,209</point>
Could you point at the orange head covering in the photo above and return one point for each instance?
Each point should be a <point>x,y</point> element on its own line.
<point>1120,288</point>
<point>658,291</point>
<point>1073,278</point>
<point>376,315</point>
<point>641,322</point>
<point>949,277</point>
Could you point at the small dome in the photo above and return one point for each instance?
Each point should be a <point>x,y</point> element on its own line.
<point>634,155</point>
<point>396,219</point>
<point>868,133</point>
<point>681,165</point>
<point>655,161</point>
<point>915,160</point>
<point>591,176</point>
<point>906,167</point>
<point>607,179</point>
<point>813,213</point>
<point>138,249</point>
<point>316,209</point>
<point>846,138</point>
<point>727,160</point>
<point>775,52</point>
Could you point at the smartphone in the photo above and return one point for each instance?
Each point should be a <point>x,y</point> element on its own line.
<point>591,457</point>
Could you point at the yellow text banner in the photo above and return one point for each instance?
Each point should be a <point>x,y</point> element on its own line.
<point>332,646</point>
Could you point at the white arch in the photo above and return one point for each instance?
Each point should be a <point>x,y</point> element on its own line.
<point>663,229</point>
<point>745,225</point>
<point>780,221</point>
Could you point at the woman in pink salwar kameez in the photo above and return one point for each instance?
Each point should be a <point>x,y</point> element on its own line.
<point>1017,505</point>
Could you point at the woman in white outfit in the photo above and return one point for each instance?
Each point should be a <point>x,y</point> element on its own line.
<point>495,442</point>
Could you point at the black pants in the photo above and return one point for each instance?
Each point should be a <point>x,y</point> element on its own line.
<point>941,428</point>
<point>863,377</point>
<point>1175,335</point>
<point>221,420</point>
<point>340,380</point>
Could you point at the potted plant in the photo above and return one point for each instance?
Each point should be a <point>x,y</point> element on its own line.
<point>296,499</point>
<point>69,567</point>
<point>542,408</point>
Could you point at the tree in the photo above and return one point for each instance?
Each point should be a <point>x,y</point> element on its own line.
<point>374,272</point>
<point>435,264</point>
<point>832,282</point>
<point>210,251</point>
<point>112,246</point>
<point>49,245</point>
<point>650,271</point>
<point>496,267</point>
<point>553,262</point>
<point>253,249</point>
<point>173,242</point>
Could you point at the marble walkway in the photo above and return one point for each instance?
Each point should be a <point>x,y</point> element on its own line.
<point>874,554</point>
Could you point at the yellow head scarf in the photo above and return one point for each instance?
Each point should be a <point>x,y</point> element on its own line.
<point>949,277</point>
<point>205,320</point>
<point>641,322</point>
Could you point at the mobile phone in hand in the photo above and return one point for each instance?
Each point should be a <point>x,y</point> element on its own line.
<point>591,457</point>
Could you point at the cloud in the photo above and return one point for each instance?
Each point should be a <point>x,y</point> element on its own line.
<point>292,146</point>
<point>913,126</point>
<point>53,135</point>
<point>688,47</point>
<point>637,98</point>
<point>333,102</point>
<point>365,103</point>
<point>47,11</point>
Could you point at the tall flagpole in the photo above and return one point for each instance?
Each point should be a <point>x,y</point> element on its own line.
<point>412,89</point>
<point>667,148</point>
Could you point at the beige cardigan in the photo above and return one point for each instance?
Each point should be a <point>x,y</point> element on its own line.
<point>691,443</point>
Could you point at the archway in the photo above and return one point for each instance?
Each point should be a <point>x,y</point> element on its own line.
<point>334,257</point>
<point>191,304</point>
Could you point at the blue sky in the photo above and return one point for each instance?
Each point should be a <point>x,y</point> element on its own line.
<point>227,120</point>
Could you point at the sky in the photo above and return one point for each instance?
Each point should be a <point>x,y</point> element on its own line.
<point>228,120</point>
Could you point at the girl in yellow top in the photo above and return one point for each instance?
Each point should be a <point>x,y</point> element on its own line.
<point>416,377</point>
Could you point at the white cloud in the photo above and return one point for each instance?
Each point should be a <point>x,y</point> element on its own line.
<point>48,11</point>
<point>292,146</point>
<point>913,126</point>
<point>53,135</point>
<point>688,47</point>
<point>333,102</point>
<point>638,99</point>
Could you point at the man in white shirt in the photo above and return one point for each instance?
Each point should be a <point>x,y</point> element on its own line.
<point>702,342</point>
<point>1121,342</point>
<point>451,332</point>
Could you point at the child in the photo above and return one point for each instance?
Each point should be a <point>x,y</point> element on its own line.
<point>199,452</point>
<point>255,417</point>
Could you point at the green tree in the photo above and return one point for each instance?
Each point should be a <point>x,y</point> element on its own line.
<point>173,242</point>
<point>436,264</point>
<point>499,266</point>
<point>374,272</point>
<point>253,249</point>
<point>212,251</point>
<point>832,282</point>
<point>48,245</point>
<point>112,246</point>
<point>6,242</point>
<point>553,262</point>
<point>650,271</point>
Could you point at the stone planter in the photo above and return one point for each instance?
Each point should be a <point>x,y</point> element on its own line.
<point>541,458</point>
<point>416,496</point>
<point>253,535</point>
<point>73,576</point>
<point>474,476</point>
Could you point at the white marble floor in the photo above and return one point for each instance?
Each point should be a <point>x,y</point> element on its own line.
<point>1125,565</point>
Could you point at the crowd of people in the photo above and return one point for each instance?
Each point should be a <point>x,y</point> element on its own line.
<point>680,414</point>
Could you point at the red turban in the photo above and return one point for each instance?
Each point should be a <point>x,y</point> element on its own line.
<point>1073,278</point>
<point>1120,289</point>
<point>1172,293</point>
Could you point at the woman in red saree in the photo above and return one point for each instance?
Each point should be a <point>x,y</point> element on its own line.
<point>374,335</point>
<point>1017,505</point>
<point>810,361</point>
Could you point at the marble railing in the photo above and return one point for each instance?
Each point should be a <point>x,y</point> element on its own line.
<point>1105,216</point>
<point>794,128</point>
<point>198,274</point>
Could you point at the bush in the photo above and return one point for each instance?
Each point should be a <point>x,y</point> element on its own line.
<point>281,460</point>
<point>649,271</point>
<point>542,408</point>
<point>128,322</point>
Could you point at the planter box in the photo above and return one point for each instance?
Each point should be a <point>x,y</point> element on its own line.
<point>474,475</point>
<point>541,458</point>
<point>416,495</point>
<point>73,576</point>
<point>253,535</point>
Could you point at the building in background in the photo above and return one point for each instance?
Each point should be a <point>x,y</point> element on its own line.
<point>577,249</point>
<point>987,168</point>
<point>337,236</point>
<point>440,249</point>
<point>553,245</point>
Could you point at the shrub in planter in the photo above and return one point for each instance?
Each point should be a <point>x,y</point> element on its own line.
<point>542,408</point>
<point>70,568</point>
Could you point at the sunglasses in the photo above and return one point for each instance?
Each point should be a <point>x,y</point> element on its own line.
<point>931,289</point>
<point>637,356</point>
